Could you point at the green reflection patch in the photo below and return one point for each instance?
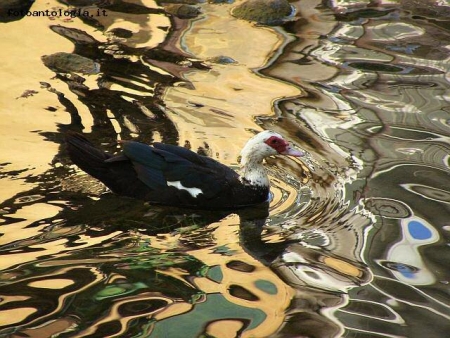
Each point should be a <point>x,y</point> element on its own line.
<point>215,273</point>
<point>193,323</point>
<point>266,286</point>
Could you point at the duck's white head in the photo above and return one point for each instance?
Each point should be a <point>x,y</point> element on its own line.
<point>265,144</point>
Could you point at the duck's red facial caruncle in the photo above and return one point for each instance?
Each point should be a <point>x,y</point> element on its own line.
<point>282,147</point>
<point>277,143</point>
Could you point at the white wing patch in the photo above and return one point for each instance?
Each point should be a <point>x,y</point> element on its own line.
<point>193,191</point>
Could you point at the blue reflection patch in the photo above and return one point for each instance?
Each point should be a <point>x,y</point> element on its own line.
<point>418,230</point>
<point>406,271</point>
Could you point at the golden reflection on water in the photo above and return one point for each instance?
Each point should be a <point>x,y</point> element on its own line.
<point>273,305</point>
<point>343,267</point>
<point>228,89</point>
<point>317,230</point>
<point>12,316</point>
<point>22,115</point>
<point>217,106</point>
<point>59,283</point>
<point>22,71</point>
<point>222,103</point>
<point>226,234</point>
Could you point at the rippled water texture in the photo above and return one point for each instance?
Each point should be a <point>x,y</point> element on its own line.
<point>356,240</point>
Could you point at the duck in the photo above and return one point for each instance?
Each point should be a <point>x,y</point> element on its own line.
<point>171,175</point>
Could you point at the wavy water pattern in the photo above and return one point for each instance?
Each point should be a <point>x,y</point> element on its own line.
<point>394,77</point>
<point>354,240</point>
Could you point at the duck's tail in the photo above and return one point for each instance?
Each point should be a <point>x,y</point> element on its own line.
<point>117,174</point>
<point>87,157</point>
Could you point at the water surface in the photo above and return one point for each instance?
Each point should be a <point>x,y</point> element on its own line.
<point>355,242</point>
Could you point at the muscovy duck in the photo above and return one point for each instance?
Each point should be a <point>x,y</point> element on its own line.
<point>175,176</point>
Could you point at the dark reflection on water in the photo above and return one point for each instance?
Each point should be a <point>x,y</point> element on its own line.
<point>397,123</point>
<point>355,242</point>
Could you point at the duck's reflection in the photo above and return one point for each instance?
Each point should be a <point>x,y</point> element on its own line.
<point>320,278</point>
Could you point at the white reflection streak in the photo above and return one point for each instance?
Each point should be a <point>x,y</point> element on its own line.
<point>381,334</point>
<point>397,320</point>
<point>409,187</point>
<point>381,172</point>
<point>412,303</point>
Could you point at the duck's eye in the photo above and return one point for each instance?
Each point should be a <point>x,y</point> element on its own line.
<point>275,142</point>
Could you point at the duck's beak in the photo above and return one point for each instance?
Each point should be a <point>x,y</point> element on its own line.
<point>293,152</point>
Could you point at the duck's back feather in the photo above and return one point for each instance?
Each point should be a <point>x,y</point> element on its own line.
<point>164,163</point>
<point>165,174</point>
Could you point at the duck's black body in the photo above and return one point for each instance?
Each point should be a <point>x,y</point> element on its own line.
<point>166,174</point>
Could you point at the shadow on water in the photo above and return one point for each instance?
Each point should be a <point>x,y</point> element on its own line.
<point>354,242</point>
